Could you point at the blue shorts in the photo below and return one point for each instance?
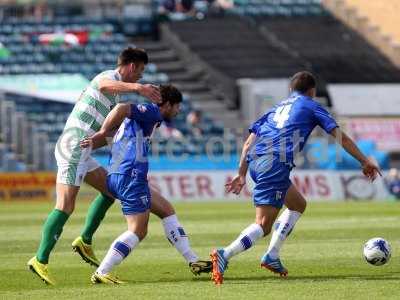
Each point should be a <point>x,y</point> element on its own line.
<point>271,180</point>
<point>134,196</point>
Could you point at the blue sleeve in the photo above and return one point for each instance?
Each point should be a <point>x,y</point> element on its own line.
<point>257,124</point>
<point>324,119</point>
<point>144,113</point>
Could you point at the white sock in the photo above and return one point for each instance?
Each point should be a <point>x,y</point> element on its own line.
<point>283,226</point>
<point>177,237</point>
<point>245,240</point>
<point>119,250</point>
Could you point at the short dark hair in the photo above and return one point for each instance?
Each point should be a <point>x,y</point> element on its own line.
<point>132,55</point>
<point>302,82</point>
<point>171,94</point>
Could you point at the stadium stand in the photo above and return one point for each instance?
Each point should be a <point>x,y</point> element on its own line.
<point>249,54</point>
<point>89,48</point>
<point>280,50</point>
<point>245,55</point>
<point>383,14</point>
<point>377,21</point>
<point>344,57</point>
<point>285,8</point>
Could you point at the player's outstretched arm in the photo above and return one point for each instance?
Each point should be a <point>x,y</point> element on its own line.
<point>370,169</point>
<point>235,186</point>
<point>149,91</point>
<point>114,119</point>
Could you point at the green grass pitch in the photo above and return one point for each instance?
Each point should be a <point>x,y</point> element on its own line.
<point>323,255</point>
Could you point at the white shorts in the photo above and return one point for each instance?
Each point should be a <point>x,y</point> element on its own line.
<point>73,165</point>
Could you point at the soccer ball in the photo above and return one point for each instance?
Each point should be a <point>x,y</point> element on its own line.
<point>377,251</point>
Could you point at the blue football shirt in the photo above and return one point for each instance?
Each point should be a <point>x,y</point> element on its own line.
<point>283,131</point>
<point>131,144</point>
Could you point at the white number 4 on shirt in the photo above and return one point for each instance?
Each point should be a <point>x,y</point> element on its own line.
<point>282,115</point>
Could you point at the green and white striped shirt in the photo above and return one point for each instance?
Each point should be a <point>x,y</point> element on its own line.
<point>92,107</point>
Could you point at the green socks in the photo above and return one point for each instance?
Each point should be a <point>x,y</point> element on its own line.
<point>54,224</point>
<point>96,213</point>
<point>52,229</point>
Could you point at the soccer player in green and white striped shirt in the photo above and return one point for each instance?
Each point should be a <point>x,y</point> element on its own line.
<point>76,164</point>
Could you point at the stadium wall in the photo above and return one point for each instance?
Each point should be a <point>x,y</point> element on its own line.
<point>206,185</point>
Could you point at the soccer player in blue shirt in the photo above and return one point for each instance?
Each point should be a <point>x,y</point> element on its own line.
<point>269,153</point>
<point>128,168</point>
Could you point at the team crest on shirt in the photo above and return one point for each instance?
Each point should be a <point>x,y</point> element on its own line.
<point>141,108</point>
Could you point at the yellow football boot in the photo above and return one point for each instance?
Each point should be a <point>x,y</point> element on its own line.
<point>40,269</point>
<point>106,278</point>
<point>85,251</point>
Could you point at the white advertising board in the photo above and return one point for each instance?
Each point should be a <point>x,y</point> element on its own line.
<point>314,185</point>
<point>365,99</point>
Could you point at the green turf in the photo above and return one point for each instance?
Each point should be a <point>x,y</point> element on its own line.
<point>323,255</point>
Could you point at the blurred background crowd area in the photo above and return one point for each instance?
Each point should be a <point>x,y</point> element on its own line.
<point>231,59</point>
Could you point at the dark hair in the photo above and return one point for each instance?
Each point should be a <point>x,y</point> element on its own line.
<point>170,94</point>
<point>132,55</point>
<point>302,82</point>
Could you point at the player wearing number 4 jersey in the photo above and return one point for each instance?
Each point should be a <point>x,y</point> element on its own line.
<point>269,154</point>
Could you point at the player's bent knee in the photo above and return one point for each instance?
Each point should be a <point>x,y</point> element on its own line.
<point>66,207</point>
<point>141,234</point>
<point>169,211</point>
<point>266,229</point>
<point>266,226</point>
<point>301,206</point>
<point>66,197</point>
<point>160,206</point>
<point>66,204</point>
